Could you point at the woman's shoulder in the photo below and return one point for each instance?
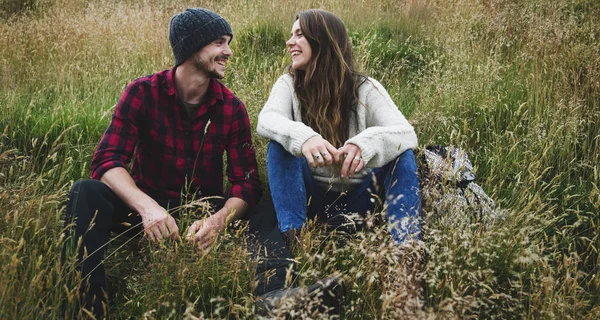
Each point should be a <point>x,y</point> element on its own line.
<point>368,83</point>
<point>287,78</point>
<point>284,82</point>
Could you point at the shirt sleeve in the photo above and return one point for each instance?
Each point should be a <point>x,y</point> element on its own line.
<point>119,140</point>
<point>242,168</point>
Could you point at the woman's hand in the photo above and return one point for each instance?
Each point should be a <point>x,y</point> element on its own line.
<point>353,161</point>
<point>319,152</point>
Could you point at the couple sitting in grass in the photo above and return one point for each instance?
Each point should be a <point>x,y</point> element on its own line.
<point>337,141</point>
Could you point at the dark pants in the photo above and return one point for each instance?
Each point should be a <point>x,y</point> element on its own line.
<point>93,201</point>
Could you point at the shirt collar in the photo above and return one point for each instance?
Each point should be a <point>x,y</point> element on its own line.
<point>170,83</point>
<point>215,88</point>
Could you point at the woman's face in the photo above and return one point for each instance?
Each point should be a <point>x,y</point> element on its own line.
<point>299,48</point>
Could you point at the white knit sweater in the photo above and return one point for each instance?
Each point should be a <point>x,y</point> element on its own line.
<point>381,131</point>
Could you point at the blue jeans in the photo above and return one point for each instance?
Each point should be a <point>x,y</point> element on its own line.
<point>292,186</point>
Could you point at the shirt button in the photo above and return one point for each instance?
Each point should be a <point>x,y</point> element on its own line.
<point>189,158</point>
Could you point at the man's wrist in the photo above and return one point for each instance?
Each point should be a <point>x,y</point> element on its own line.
<point>146,206</point>
<point>224,215</point>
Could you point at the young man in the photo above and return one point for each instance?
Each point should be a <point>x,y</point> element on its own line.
<point>173,126</point>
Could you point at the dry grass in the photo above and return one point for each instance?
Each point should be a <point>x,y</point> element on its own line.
<point>515,84</point>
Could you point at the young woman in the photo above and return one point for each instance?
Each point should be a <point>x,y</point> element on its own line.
<point>337,138</point>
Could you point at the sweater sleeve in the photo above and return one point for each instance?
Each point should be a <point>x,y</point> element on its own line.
<point>387,134</point>
<point>276,119</point>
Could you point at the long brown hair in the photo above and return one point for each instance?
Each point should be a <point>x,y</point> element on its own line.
<point>328,87</point>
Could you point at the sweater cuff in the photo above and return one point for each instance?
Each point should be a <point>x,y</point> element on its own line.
<point>299,138</point>
<point>366,153</point>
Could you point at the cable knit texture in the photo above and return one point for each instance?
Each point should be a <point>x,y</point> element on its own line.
<point>379,129</point>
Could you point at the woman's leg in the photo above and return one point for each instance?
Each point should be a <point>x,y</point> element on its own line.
<point>295,192</point>
<point>346,212</point>
<point>287,187</point>
<point>403,197</point>
<point>400,185</point>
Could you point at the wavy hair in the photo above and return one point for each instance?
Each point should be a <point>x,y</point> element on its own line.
<point>327,88</point>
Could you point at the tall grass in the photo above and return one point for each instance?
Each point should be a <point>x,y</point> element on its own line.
<point>516,84</point>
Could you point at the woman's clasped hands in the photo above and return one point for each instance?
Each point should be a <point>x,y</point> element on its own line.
<point>320,153</point>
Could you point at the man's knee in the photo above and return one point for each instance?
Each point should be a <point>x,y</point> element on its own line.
<point>262,216</point>
<point>86,198</point>
<point>86,187</point>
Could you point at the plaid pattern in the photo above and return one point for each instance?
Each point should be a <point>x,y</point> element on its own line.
<point>173,154</point>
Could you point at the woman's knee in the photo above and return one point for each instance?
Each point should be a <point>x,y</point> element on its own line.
<point>406,161</point>
<point>275,149</point>
<point>281,163</point>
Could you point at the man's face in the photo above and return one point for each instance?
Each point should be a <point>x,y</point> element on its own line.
<point>211,59</point>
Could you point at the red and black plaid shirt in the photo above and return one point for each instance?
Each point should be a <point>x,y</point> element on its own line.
<point>173,154</point>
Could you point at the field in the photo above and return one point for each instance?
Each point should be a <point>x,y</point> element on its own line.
<point>516,84</point>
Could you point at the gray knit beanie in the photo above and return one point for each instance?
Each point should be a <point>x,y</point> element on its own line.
<point>191,30</point>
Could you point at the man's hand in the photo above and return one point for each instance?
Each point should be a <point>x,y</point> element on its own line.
<point>319,152</point>
<point>158,224</point>
<point>203,233</point>
<point>353,161</point>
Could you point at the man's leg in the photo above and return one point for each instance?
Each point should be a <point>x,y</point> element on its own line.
<point>92,211</point>
<point>275,261</point>
<point>274,258</point>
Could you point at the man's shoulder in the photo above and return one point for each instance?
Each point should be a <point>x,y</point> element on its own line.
<point>158,79</point>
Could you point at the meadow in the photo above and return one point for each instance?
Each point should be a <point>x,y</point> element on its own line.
<point>516,84</point>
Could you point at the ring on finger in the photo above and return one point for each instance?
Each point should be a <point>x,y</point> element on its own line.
<point>324,153</point>
<point>317,156</point>
<point>357,158</point>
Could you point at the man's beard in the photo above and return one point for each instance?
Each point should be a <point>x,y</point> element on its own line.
<point>203,66</point>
